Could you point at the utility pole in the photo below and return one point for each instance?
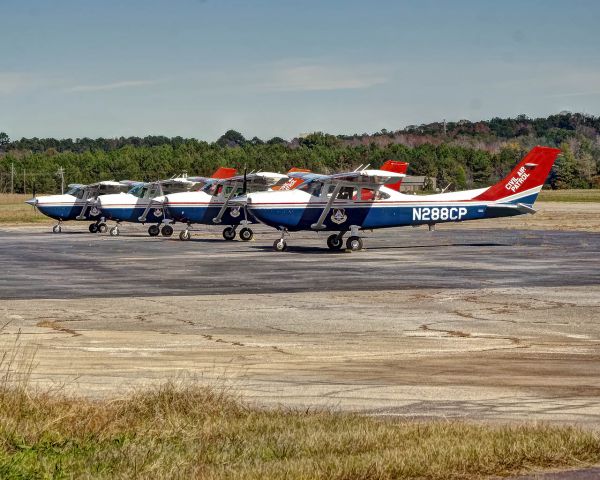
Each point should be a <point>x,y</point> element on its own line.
<point>24,189</point>
<point>12,178</point>
<point>61,172</point>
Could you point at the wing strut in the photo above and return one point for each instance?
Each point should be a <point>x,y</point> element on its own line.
<point>158,189</point>
<point>88,194</point>
<point>319,225</point>
<point>231,194</point>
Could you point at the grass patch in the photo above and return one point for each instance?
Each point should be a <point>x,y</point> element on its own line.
<point>569,195</point>
<point>190,431</point>
<point>14,210</point>
<point>196,432</point>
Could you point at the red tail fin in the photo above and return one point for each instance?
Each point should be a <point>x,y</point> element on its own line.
<point>395,166</point>
<point>224,172</point>
<point>292,182</point>
<point>531,172</point>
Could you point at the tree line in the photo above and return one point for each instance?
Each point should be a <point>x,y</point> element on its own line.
<point>459,154</point>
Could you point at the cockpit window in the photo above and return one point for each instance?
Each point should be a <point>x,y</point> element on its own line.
<point>73,191</point>
<point>314,188</point>
<point>136,191</point>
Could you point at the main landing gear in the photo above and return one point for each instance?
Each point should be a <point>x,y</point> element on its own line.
<point>155,230</point>
<point>98,227</point>
<point>334,241</point>
<point>166,230</point>
<point>246,234</point>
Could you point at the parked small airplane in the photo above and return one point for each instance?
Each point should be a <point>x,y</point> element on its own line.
<point>360,200</point>
<point>78,203</point>
<point>138,206</point>
<point>213,204</point>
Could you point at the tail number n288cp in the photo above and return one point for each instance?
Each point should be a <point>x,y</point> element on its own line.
<point>436,214</point>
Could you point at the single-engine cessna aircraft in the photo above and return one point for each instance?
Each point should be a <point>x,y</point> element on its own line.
<point>138,206</point>
<point>78,203</point>
<point>360,200</point>
<point>214,205</point>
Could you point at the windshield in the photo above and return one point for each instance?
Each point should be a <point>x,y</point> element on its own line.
<point>73,191</point>
<point>137,191</point>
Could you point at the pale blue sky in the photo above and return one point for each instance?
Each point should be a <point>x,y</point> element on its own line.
<point>279,68</point>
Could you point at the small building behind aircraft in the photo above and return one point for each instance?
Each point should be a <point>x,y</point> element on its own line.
<point>416,183</point>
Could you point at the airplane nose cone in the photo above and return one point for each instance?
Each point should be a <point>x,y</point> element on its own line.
<point>32,201</point>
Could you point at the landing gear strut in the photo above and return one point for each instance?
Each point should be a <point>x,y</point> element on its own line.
<point>280,245</point>
<point>185,234</point>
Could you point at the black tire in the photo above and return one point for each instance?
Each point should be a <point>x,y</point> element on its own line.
<point>335,242</point>
<point>229,233</point>
<point>56,229</point>
<point>184,235</point>
<point>153,230</point>
<point>280,245</point>
<point>167,231</point>
<point>114,232</point>
<point>102,228</point>
<point>93,228</point>
<point>354,244</point>
<point>246,234</point>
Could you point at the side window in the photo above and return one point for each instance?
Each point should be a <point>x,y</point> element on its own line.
<point>370,194</point>
<point>347,193</point>
<point>80,193</point>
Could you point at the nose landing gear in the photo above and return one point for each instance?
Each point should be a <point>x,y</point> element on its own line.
<point>57,228</point>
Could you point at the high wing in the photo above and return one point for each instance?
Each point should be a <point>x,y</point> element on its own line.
<point>358,177</point>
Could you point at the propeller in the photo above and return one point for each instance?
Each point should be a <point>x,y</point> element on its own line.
<point>245,184</point>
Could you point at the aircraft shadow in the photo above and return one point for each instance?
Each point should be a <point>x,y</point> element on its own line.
<point>324,249</point>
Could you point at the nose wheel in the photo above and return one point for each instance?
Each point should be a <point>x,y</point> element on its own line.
<point>57,228</point>
<point>280,245</point>
<point>184,235</point>
<point>114,231</point>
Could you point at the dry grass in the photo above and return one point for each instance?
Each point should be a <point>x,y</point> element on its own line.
<point>187,431</point>
<point>14,210</point>
<point>570,195</point>
<point>193,432</point>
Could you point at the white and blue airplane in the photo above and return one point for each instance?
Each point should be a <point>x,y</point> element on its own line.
<point>78,203</point>
<point>360,200</point>
<point>138,205</point>
<point>214,205</point>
